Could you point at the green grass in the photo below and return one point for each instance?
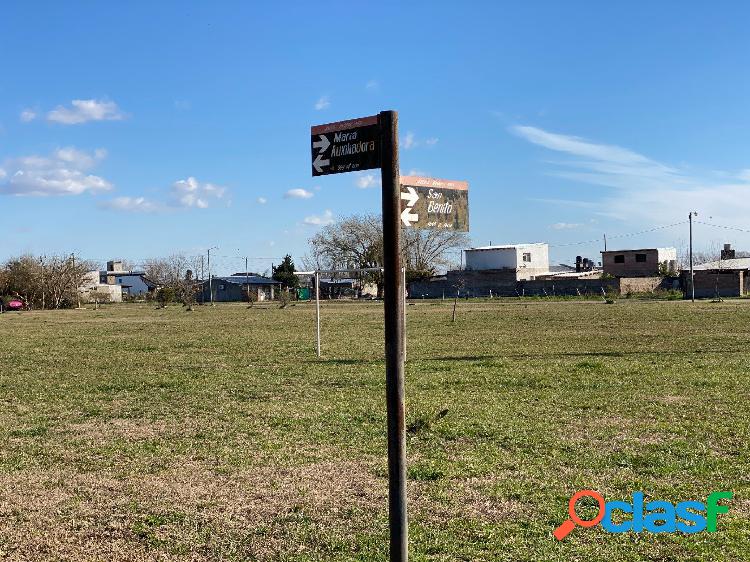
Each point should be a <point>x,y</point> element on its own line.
<point>130,433</point>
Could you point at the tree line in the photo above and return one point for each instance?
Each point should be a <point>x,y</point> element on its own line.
<point>44,281</point>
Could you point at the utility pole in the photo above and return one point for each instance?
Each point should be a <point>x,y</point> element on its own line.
<point>692,278</point>
<point>394,336</point>
<point>75,288</point>
<point>210,278</point>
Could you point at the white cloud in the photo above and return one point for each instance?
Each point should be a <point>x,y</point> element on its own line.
<point>3,173</point>
<point>409,141</point>
<point>131,205</point>
<point>372,85</point>
<point>298,193</point>
<point>565,225</point>
<point>61,173</point>
<point>432,141</point>
<point>322,103</point>
<point>85,110</point>
<point>192,193</point>
<point>367,180</point>
<point>320,220</point>
<point>182,105</point>
<point>27,115</point>
<point>261,200</point>
<point>417,172</point>
<point>644,191</point>
<point>744,175</point>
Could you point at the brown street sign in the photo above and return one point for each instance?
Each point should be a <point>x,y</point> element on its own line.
<point>345,146</point>
<point>434,203</point>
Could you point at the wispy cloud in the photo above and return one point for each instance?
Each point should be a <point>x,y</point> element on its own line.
<point>64,172</point>
<point>131,205</point>
<point>566,225</point>
<point>366,180</point>
<point>298,193</point>
<point>372,85</point>
<point>644,190</point>
<point>409,141</point>
<point>323,103</point>
<point>261,200</point>
<point>27,115</point>
<point>192,193</point>
<point>320,220</point>
<point>82,111</point>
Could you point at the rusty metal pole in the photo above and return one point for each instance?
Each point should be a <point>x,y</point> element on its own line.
<point>394,336</point>
<point>317,311</point>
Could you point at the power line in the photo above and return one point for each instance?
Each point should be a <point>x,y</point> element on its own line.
<point>724,227</point>
<point>626,235</point>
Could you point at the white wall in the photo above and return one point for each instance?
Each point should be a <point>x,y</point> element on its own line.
<point>510,257</point>
<point>491,258</point>
<point>539,263</point>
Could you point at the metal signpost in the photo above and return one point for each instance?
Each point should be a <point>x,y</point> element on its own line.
<point>434,203</point>
<point>361,144</point>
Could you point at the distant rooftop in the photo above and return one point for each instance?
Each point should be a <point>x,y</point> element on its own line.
<point>639,250</point>
<point>247,279</point>
<point>507,246</point>
<point>736,263</point>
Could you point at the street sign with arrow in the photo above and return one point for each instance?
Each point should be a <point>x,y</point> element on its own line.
<point>434,203</point>
<point>345,146</point>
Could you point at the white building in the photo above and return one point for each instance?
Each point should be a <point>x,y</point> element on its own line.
<point>527,260</point>
<point>133,283</point>
<point>92,289</point>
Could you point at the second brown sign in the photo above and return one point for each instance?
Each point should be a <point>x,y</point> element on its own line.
<point>434,203</point>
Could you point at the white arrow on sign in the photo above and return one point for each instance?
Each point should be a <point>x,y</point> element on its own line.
<point>322,144</point>
<point>407,217</point>
<point>319,162</point>
<point>412,196</point>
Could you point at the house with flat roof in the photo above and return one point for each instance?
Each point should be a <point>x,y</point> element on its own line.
<point>518,261</point>
<point>645,262</point>
<point>235,288</point>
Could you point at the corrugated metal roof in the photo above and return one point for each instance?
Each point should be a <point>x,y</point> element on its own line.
<point>737,263</point>
<point>243,280</point>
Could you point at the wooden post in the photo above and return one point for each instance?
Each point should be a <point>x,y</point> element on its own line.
<point>394,336</point>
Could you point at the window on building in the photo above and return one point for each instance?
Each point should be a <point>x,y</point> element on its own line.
<point>222,287</point>
<point>527,257</point>
<point>620,258</point>
<point>640,258</point>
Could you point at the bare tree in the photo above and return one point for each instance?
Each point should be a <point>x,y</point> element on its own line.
<point>357,242</point>
<point>52,282</point>
<point>427,250</point>
<point>175,275</point>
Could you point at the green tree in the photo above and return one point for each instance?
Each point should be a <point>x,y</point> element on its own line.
<point>284,273</point>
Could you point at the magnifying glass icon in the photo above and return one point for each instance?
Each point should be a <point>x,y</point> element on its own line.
<point>569,524</point>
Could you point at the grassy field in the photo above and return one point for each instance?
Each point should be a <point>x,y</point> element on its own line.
<point>130,433</point>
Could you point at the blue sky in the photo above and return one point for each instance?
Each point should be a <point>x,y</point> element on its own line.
<point>142,129</point>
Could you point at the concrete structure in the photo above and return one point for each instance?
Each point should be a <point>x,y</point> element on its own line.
<point>525,261</point>
<point>722,278</point>
<point>234,288</point>
<point>92,289</point>
<point>133,283</point>
<point>646,262</point>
